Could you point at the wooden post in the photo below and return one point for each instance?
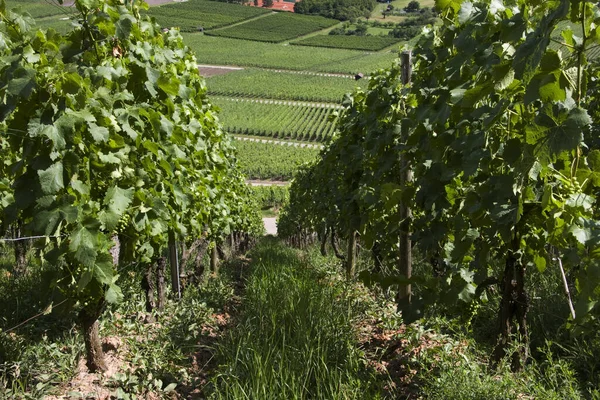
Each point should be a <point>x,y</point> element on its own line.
<point>405,261</point>
<point>351,256</point>
<point>214,259</point>
<point>174,260</point>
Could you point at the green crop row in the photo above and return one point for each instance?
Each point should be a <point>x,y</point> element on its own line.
<point>225,51</point>
<point>280,85</point>
<point>194,14</point>
<point>271,196</point>
<point>270,160</point>
<point>276,27</point>
<point>297,122</point>
<point>369,43</point>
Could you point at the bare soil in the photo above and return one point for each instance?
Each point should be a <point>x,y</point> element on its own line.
<point>212,70</point>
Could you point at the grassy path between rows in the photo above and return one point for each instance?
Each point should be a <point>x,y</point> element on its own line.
<point>295,335</point>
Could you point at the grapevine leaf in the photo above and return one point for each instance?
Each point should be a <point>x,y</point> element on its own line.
<point>51,179</point>
<point>540,262</point>
<point>529,55</point>
<point>580,200</point>
<point>581,234</point>
<point>50,131</point>
<point>85,279</point>
<point>104,269</point>
<point>169,85</point>
<point>99,133</point>
<point>82,243</point>
<point>113,294</point>
<point>80,187</point>
<point>117,200</point>
<point>109,158</point>
<point>466,11</point>
<point>441,5</point>
<point>22,83</point>
<point>123,26</point>
<point>593,159</point>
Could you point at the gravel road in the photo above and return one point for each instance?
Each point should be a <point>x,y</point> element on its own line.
<point>270,226</point>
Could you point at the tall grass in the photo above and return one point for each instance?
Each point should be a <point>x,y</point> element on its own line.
<point>295,338</point>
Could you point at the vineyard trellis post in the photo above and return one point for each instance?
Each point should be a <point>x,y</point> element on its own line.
<point>174,261</point>
<point>405,257</point>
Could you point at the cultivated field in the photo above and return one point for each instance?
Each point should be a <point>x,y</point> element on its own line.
<point>271,118</point>
<point>276,27</point>
<point>226,51</point>
<point>272,161</point>
<point>367,43</point>
<point>256,83</point>
<point>192,15</point>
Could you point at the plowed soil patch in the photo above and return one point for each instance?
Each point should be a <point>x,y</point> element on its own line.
<point>212,71</point>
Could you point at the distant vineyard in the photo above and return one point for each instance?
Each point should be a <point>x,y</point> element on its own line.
<point>40,9</point>
<point>191,15</point>
<point>225,51</point>
<point>271,161</point>
<point>271,196</point>
<point>276,27</point>
<point>280,85</point>
<point>368,43</point>
<point>297,122</point>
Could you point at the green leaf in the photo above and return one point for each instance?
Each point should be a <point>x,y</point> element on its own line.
<point>529,54</point>
<point>580,200</point>
<point>80,187</point>
<point>109,158</point>
<point>123,26</point>
<point>99,133</point>
<point>49,131</point>
<point>113,294</point>
<point>51,179</point>
<point>550,61</point>
<point>540,262</point>
<point>82,243</point>
<point>116,201</point>
<point>104,269</point>
<point>581,234</point>
<point>466,12</point>
<point>22,82</point>
<point>169,85</point>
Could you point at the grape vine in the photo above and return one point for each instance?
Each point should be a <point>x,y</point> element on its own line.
<point>107,131</point>
<point>496,128</point>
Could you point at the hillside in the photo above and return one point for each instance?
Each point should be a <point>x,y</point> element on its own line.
<point>209,200</point>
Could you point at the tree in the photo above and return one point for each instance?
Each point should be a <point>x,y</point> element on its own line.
<point>267,3</point>
<point>413,6</point>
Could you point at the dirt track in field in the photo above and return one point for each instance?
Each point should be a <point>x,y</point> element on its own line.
<point>212,70</point>
<point>270,226</point>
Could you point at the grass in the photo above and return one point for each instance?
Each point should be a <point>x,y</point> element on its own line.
<point>226,51</point>
<point>295,338</point>
<point>280,85</point>
<point>276,27</point>
<point>41,356</point>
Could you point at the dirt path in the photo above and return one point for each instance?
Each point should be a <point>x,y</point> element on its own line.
<point>270,226</point>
